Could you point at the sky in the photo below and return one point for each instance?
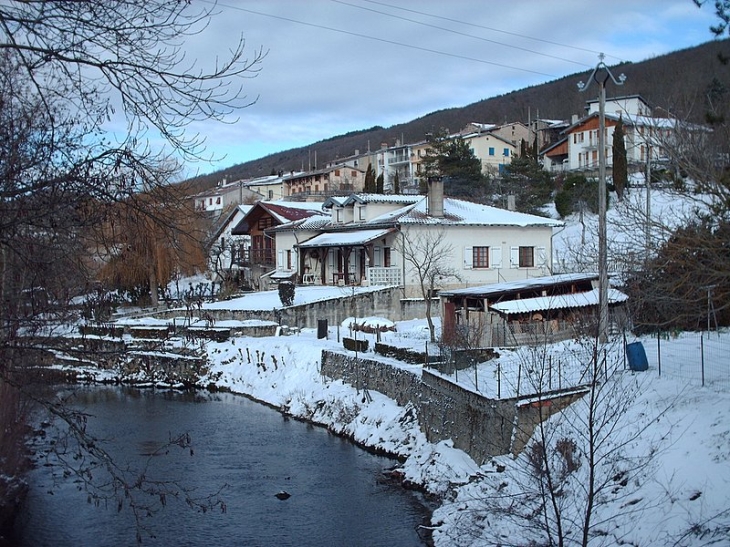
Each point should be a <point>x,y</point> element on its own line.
<point>335,66</point>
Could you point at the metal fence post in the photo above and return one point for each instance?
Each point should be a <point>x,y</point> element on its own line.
<point>702,357</point>
<point>659,351</point>
<point>499,381</point>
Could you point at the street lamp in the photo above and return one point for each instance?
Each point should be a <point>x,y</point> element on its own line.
<point>601,74</point>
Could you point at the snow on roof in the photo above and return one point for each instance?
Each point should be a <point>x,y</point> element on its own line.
<point>286,211</point>
<point>338,239</point>
<point>372,198</point>
<point>558,302</point>
<point>522,284</point>
<point>457,211</point>
<point>314,222</point>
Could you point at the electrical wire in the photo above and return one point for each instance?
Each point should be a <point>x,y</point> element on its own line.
<point>527,50</point>
<point>383,40</point>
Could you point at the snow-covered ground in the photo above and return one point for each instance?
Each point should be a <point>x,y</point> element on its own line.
<point>664,453</point>
<point>670,444</point>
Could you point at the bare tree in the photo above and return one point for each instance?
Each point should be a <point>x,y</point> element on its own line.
<point>430,258</point>
<point>575,481</point>
<point>86,89</point>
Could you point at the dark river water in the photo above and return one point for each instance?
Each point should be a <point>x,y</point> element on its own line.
<point>339,495</point>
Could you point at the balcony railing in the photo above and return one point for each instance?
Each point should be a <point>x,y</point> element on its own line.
<point>384,276</point>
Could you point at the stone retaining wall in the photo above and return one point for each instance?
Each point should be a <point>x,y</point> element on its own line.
<point>479,426</point>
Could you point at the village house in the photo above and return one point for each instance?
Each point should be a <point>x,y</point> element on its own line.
<point>263,258</point>
<point>320,183</point>
<point>221,197</point>
<point>645,137</point>
<point>226,251</point>
<point>527,311</point>
<point>363,241</point>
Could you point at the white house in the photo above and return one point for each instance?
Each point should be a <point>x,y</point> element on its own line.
<point>645,137</point>
<point>364,240</point>
<point>226,249</point>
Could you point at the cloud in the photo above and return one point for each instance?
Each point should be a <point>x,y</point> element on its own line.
<point>339,66</point>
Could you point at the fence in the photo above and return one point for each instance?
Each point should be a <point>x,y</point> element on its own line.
<point>694,358</point>
<point>534,369</point>
<point>697,358</point>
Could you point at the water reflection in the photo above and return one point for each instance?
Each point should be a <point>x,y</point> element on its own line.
<point>338,494</point>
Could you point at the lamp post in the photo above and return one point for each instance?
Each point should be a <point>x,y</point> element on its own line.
<point>601,74</point>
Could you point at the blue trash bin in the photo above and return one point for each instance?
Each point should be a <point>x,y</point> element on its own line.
<point>636,356</point>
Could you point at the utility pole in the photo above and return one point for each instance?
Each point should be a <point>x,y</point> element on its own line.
<point>601,74</point>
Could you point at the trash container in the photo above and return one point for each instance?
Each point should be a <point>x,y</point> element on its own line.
<point>321,328</point>
<point>636,356</point>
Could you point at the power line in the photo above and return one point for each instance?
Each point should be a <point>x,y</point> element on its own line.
<point>577,48</point>
<point>455,31</point>
<point>383,40</point>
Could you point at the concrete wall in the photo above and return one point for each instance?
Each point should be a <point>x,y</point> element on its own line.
<point>479,426</point>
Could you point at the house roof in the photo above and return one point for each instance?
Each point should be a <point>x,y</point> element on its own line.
<point>343,239</point>
<point>314,222</point>
<point>225,221</point>
<point>460,212</point>
<point>396,199</point>
<point>282,212</point>
<point>534,283</point>
<point>558,148</point>
<point>557,302</point>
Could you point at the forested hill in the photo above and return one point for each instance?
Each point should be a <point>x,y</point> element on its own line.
<point>677,81</point>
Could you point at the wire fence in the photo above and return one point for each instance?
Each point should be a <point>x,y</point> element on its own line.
<point>693,358</point>
<point>696,358</point>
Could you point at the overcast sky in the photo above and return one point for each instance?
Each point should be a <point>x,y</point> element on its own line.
<point>337,66</point>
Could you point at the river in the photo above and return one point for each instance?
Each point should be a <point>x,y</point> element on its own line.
<point>339,494</point>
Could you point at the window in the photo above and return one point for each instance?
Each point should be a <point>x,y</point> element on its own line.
<point>271,194</point>
<point>337,172</point>
<point>505,153</point>
<point>218,201</point>
<point>480,257</point>
<point>491,150</point>
<point>527,257</point>
<point>265,222</point>
<point>361,213</point>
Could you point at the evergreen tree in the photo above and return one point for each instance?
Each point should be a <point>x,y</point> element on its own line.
<point>620,168</point>
<point>380,184</point>
<point>525,179</point>
<point>369,180</point>
<point>396,183</point>
<point>453,159</point>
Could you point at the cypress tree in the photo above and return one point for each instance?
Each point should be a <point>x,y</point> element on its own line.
<point>620,168</point>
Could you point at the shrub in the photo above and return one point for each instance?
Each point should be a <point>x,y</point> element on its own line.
<point>286,293</point>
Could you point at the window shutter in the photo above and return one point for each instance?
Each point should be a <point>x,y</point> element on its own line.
<point>377,260</point>
<point>541,257</point>
<point>514,257</point>
<point>495,260</point>
<point>280,260</point>
<point>468,258</point>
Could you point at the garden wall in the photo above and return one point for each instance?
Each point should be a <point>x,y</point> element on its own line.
<point>479,426</point>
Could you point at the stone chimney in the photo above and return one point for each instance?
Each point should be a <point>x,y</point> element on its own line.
<point>435,197</point>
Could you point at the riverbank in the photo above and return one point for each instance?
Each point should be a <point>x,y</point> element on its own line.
<point>673,439</point>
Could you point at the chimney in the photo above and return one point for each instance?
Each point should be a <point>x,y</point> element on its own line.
<point>511,203</point>
<point>436,197</point>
